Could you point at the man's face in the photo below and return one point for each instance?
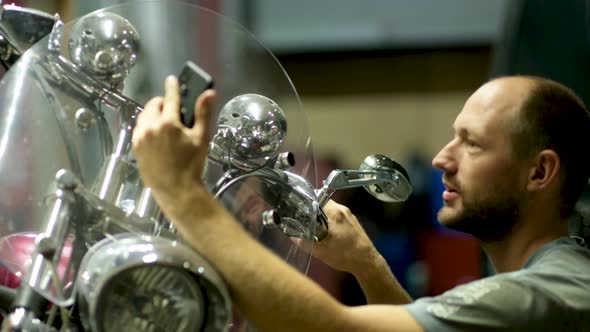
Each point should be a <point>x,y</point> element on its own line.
<point>251,205</point>
<point>484,180</point>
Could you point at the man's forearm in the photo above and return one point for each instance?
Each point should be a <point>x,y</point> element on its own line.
<point>379,284</point>
<point>268,291</point>
<point>265,289</point>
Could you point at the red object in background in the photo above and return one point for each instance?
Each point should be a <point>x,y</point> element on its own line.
<point>16,3</point>
<point>452,259</point>
<point>15,255</point>
<point>15,251</point>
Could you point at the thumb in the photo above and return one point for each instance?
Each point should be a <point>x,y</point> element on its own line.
<point>203,113</point>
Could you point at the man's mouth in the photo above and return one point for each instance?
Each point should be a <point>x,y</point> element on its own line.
<point>450,193</point>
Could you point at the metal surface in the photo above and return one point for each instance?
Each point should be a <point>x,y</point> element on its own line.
<point>21,28</point>
<point>67,110</point>
<point>171,287</point>
<point>382,177</point>
<point>104,46</point>
<point>250,127</point>
<point>393,188</point>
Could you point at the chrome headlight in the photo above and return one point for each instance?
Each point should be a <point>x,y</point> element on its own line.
<point>133,282</point>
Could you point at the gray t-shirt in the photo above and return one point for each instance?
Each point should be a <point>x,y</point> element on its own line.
<point>550,293</point>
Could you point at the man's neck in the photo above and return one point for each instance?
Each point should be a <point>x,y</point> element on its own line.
<point>528,236</point>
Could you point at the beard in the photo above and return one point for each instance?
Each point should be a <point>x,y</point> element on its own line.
<point>488,220</point>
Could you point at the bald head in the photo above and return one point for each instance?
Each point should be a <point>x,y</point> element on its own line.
<point>505,93</point>
<point>504,96</point>
<point>547,115</point>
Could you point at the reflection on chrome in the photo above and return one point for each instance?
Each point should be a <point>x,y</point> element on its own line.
<point>80,230</point>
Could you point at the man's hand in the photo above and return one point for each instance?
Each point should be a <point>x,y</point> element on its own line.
<point>347,246</point>
<point>170,156</point>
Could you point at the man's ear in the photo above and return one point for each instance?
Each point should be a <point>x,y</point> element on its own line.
<point>544,171</point>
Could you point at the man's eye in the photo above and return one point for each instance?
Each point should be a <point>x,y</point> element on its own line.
<point>471,144</point>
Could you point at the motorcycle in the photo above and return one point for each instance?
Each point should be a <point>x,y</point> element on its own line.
<point>83,245</point>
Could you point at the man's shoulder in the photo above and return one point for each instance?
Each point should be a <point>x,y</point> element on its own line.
<point>500,302</point>
<point>561,272</point>
<point>552,291</point>
<point>563,257</point>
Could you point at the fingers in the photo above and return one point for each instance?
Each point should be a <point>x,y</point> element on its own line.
<point>171,109</point>
<point>161,110</point>
<point>152,109</point>
<point>338,214</point>
<point>203,110</point>
<point>331,204</point>
<point>332,208</point>
<point>148,117</point>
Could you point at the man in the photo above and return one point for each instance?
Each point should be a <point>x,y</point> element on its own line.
<point>512,174</point>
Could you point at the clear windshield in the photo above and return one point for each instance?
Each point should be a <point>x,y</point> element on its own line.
<point>70,103</point>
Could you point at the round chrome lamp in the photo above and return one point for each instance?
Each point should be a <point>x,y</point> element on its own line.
<point>250,127</point>
<point>133,282</point>
<point>105,46</point>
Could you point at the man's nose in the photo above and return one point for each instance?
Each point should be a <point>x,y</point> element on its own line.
<point>444,159</point>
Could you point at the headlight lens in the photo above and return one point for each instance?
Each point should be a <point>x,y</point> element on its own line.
<point>152,297</point>
<point>139,283</point>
